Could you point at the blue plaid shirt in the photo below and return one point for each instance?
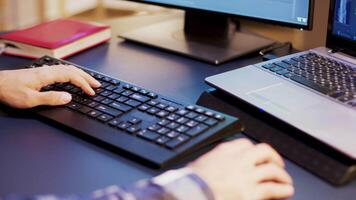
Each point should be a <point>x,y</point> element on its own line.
<point>180,184</point>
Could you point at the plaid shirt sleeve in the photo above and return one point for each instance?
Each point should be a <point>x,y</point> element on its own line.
<point>180,184</point>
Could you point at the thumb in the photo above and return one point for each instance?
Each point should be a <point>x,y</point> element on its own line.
<point>52,98</point>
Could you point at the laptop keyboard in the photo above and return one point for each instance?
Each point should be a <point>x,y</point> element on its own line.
<point>129,110</point>
<point>319,73</point>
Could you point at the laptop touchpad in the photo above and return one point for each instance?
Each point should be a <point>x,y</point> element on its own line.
<point>284,97</point>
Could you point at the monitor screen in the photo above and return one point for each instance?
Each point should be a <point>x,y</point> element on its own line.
<point>295,12</point>
<point>345,19</point>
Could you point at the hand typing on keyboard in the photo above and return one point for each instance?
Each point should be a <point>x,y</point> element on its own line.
<point>151,127</point>
<point>22,88</point>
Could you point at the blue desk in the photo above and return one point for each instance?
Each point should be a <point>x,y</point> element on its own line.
<point>37,158</point>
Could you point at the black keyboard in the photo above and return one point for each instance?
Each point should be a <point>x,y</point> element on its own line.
<point>136,122</point>
<point>327,76</point>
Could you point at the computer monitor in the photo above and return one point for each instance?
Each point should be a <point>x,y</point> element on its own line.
<point>342,27</point>
<point>209,30</point>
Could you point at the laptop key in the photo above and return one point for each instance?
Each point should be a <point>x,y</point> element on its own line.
<point>310,84</point>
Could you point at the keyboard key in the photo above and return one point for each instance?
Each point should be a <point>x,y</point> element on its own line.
<point>201,118</point>
<point>191,107</point>
<point>133,103</point>
<point>176,142</point>
<point>153,111</point>
<point>171,109</point>
<point>104,84</point>
<point>124,108</point>
<point>106,101</point>
<point>75,90</point>
<point>163,122</point>
<point>275,69</point>
<point>163,131</point>
<point>268,66</point>
<point>114,96</point>
<point>135,120</point>
<point>94,113</point>
<point>282,72</point>
<point>74,106</point>
<point>152,95</point>
<point>182,129</point>
<point>172,134</point>
<point>135,89</point>
<point>200,110</point>
<point>127,93</point>
<point>173,117</point>
<point>140,98</point>
<point>153,103</point>
<point>162,140</point>
<point>98,98</point>
<point>144,92</point>
<point>182,120</point>
<point>161,106</point>
<point>84,109</point>
<point>127,86</point>
<point>172,125</point>
<point>154,127</point>
<point>93,104</point>
<point>107,79</point>
<point>337,94</point>
<point>219,117</point>
<point>310,84</point>
<point>162,114</point>
<point>68,87</point>
<point>114,122</point>
<point>122,99</point>
<point>108,110</point>
<point>115,82</point>
<point>111,87</point>
<point>182,112</point>
<point>144,107</point>
<point>124,125</point>
<point>345,98</point>
<point>209,114</point>
<point>191,123</point>
<point>133,129</point>
<point>148,135</point>
<point>191,115</point>
<point>118,90</point>
<point>197,130</point>
<point>104,118</point>
<point>211,122</point>
<point>282,64</point>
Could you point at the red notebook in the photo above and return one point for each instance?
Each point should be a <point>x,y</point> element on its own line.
<point>59,38</point>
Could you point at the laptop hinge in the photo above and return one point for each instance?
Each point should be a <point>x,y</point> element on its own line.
<point>344,55</point>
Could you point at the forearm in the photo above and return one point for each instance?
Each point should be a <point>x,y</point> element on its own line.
<point>172,185</point>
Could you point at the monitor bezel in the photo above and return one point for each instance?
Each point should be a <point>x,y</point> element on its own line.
<point>309,26</point>
<point>334,42</point>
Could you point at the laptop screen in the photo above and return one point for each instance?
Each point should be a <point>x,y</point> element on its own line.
<point>344,21</point>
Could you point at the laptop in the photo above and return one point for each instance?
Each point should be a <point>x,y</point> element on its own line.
<point>313,91</point>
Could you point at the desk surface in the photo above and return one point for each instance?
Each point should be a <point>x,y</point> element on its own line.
<point>37,158</point>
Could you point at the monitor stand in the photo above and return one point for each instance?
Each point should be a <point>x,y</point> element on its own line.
<point>204,36</point>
